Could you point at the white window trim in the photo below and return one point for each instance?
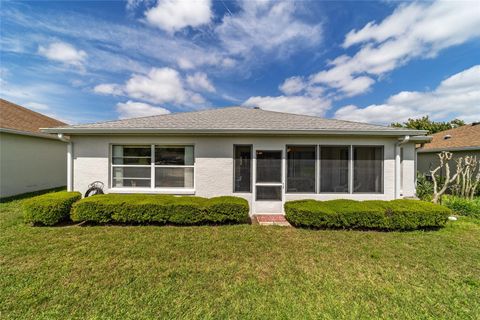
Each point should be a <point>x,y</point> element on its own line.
<point>152,189</point>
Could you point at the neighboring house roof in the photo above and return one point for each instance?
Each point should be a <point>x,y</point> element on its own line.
<point>234,120</point>
<point>458,139</point>
<point>20,120</point>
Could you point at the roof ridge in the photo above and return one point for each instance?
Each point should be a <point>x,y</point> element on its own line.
<point>158,115</point>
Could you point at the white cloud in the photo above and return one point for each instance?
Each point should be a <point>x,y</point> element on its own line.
<point>456,97</point>
<point>132,109</point>
<point>159,85</point>
<point>63,52</point>
<point>36,106</point>
<point>199,81</point>
<point>108,88</point>
<point>292,104</point>
<point>173,15</point>
<point>416,30</point>
<point>292,85</point>
<point>268,26</point>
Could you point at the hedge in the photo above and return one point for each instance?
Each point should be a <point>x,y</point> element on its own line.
<point>143,208</point>
<point>374,214</point>
<point>50,208</point>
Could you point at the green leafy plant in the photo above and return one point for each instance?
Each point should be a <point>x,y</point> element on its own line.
<point>463,206</point>
<point>141,208</point>
<point>381,215</point>
<point>50,208</point>
<point>424,188</point>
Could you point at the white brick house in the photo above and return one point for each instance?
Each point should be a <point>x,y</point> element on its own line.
<point>263,156</point>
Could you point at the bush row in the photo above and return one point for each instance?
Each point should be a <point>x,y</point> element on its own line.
<point>466,207</point>
<point>381,215</point>
<point>50,208</point>
<point>160,209</point>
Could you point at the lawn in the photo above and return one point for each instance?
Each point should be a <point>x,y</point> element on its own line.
<point>146,272</point>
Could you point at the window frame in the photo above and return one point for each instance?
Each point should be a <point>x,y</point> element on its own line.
<point>152,166</point>
<point>251,167</point>
<point>317,168</point>
<point>382,158</point>
<point>349,167</point>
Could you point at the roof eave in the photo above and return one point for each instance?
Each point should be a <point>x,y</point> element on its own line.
<point>89,131</point>
<point>470,148</point>
<point>30,134</point>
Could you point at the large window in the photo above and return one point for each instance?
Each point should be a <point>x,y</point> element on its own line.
<point>334,169</point>
<point>367,169</point>
<point>243,168</point>
<point>301,169</point>
<point>168,166</point>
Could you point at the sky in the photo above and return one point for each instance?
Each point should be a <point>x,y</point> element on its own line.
<point>377,62</point>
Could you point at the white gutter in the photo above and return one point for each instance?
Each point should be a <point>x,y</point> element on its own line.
<point>69,160</point>
<point>398,164</point>
<point>235,131</point>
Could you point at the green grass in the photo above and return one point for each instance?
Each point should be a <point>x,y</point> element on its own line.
<point>242,271</point>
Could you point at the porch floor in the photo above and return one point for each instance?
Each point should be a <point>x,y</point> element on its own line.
<point>270,220</point>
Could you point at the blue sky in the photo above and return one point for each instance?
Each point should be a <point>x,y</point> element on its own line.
<point>364,61</point>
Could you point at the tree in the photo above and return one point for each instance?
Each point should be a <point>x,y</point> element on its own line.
<point>444,157</point>
<point>424,123</point>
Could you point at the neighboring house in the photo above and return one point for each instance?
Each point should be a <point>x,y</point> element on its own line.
<point>29,159</point>
<point>263,156</point>
<point>461,141</point>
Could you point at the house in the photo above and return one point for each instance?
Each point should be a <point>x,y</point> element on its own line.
<point>29,159</point>
<point>461,141</point>
<point>263,156</point>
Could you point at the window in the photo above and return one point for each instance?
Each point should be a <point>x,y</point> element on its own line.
<point>301,168</point>
<point>243,169</point>
<point>334,169</point>
<point>168,166</point>
<point>131,166</point>
<point>367,169</point>
<point>174,167</point>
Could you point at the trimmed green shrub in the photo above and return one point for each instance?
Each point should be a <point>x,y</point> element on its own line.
<point>465,207</point>
<point>50,208</point>
<point>143,208</point>
<point>375,214</point>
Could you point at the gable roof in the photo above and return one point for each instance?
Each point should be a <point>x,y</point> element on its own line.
<point>462,138</point>
<point>18,118</point>
<point>232,120</point>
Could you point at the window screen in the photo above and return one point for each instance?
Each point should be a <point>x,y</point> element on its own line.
<point>334,169</point>
<point>301,169</point>
<point>368,169</point>
<point>243,169</point>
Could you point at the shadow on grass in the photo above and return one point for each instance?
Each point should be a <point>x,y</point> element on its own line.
<point>31,194</point>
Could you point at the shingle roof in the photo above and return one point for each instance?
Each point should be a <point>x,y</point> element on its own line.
<point>464,137</point>
<point>15,117</point>
<point>239,119</point>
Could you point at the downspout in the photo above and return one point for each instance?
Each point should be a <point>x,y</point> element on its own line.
<point>398,164</point>
<point>69,160</point>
